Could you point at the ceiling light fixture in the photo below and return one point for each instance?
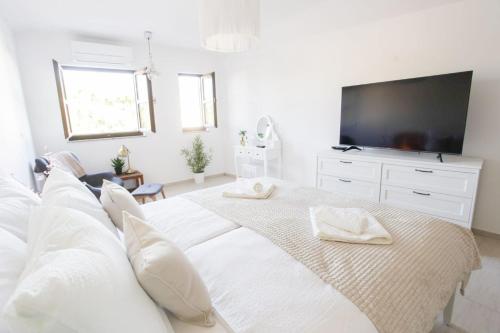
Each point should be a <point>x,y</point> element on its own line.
<point>149,70</point>
<point>229,25</point>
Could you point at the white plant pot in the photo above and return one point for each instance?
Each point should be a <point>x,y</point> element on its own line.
<point>199,178</point>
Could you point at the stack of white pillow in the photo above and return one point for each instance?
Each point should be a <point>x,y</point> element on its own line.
<point>74,275</point>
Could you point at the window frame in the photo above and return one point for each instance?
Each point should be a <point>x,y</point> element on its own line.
<point>202,93</point>
<point>63,105</point>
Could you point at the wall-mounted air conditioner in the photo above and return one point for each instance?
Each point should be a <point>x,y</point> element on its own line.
<point>101,54</point>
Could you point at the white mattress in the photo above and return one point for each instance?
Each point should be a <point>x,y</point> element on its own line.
<point>254,285</point>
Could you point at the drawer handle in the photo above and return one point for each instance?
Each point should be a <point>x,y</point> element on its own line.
<point>420,193</point>
<point>424,171</point>
<point>346,162</point>
<point>345,180</point>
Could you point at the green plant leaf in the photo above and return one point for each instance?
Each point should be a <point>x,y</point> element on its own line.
<point>197,158</point>
<point>117,163</point>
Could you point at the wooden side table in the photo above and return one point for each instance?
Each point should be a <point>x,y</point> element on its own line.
<point>136,175</point>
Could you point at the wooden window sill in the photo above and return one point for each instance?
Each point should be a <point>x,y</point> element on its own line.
<point>100,136</point>
<point>198,129</point>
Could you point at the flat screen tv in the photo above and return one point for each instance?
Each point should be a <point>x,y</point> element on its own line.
<point>421,114</point>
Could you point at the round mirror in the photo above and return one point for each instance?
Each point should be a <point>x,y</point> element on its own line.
<point>264,128</point>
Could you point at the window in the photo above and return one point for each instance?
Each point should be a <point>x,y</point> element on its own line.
<point>197,101</point>
<point>103,103</point>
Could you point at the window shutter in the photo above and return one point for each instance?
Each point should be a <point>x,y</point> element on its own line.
<point>62,99</point>
<point>145,101</point>
<point>209,100</point>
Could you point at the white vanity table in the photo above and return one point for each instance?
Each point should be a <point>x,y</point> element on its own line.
<point>262,155</point>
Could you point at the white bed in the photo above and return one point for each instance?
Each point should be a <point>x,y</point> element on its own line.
<point>255,286</point>
<point>256,282</point>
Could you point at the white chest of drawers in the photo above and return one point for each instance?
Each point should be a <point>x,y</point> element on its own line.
<point>408,180</point>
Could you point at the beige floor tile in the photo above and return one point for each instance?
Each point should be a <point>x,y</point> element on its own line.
<point>188,186</point>
<point>479,310</point>
<point>475,317</point>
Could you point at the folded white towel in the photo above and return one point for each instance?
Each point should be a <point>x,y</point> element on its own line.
<point>258,187</point>
<point>249,190</point>
<point>327,229</point>
<point>354,220</point>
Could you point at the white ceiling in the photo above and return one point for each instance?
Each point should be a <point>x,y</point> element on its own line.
<point>175,22</point>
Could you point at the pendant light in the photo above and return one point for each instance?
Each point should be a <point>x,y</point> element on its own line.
<point>229,25</point>
<point>149,70</point>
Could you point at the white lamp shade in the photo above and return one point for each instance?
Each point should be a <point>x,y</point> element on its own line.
<point>229,25</point>
<point>123,151</point>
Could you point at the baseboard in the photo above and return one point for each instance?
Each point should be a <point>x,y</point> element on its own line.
<point>221,175</point>
<point>485,233</point>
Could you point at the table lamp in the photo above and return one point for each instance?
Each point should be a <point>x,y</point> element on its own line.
<point>124,152</point>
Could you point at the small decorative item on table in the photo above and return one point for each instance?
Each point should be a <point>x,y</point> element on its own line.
<point>124,152</point>
<point>243,137</point>
<point>136,175</point>
<point>117,163</point>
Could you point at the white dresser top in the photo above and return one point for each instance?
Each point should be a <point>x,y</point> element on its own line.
<point>400,157</point>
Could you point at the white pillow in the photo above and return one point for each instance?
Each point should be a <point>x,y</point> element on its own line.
<point>78,279</point>
<point>16,201</point>
<point>165,273</point>
<point>13,256</point>
<point>115,199</point>
<point>65,190</point>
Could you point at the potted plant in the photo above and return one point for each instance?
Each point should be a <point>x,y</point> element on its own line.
<point>117,164</point>
<point>243,137</point>
<point>197,159</point>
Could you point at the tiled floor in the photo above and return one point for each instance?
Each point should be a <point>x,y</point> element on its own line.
<point>187,186</point>
<point>476,312</point>
<point>479,310</point>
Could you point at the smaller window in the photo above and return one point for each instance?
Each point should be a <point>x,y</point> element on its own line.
<point>197,101</point>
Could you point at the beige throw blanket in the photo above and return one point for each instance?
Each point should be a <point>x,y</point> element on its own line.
<point>66,161</point>
<point>400,287</point>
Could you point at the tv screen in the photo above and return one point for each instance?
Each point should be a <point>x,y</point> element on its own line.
<point>420,114</point>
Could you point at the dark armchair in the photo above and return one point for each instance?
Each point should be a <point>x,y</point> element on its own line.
<point>92,181</point>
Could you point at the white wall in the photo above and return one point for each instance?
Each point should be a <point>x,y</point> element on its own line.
<point>156,155</point>
<point>297,74</point>
<point>16,147</point>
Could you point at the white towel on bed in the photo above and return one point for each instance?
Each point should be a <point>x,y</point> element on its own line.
<point>249,190</point>
<point>354,220</point>
<point>326,226</point>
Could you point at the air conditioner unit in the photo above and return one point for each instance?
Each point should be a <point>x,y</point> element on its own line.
<point>101,54</point>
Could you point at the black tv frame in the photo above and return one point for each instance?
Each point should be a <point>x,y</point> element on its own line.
<point>349,146</point>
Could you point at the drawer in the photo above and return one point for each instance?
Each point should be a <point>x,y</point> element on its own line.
<point>349,187</point>
<point>360,170</point>
<point>248,152</point>
<point>258,154</point>
<point>241,151</point>
<point>439,181</point>
<point>435,204</point>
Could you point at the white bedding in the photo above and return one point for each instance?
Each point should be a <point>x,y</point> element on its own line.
<point>185,222</point>
<point>255,286</point>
